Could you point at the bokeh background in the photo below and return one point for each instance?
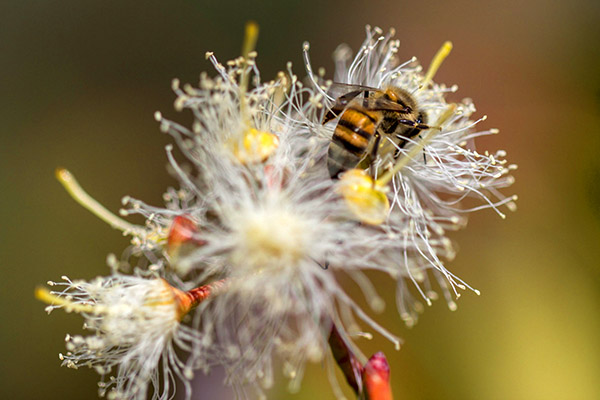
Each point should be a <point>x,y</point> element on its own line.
<point>80,81</point>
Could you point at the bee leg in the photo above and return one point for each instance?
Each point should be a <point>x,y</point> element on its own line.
<point>320,265</point>
<point>417,125</point>
<point>373,154</point>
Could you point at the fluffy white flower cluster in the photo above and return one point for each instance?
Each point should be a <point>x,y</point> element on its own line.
<point>259,237</point>
<point>135,322</point>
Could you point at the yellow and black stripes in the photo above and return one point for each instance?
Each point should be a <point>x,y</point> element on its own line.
<point>350,140</point>
<point>371,126</point>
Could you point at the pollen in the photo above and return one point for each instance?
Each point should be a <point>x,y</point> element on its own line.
<point>364,197</point>
<point>255,146</point>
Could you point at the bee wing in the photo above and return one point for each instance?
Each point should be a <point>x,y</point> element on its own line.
<point>345,92</point>
<point>380,104</point>
<point>359,97</point>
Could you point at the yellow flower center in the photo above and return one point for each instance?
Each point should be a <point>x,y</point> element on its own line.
<point>255,146</point>
<point>364,197</point>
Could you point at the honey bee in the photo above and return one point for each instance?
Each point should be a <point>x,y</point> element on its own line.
<point>366,116</point>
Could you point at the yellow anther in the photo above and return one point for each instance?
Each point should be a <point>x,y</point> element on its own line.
<point>255,147</point>
<point>364,197</point>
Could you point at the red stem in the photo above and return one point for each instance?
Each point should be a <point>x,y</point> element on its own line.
<point>199,294</point>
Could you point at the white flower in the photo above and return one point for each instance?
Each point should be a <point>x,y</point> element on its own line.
<point>276,228</point>
<point>258,213</point>
<point>435,172</point>
<point>136,328</point>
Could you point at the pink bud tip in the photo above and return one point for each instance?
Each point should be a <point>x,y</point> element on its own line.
<point>376,377</point>
<point>183,232</point>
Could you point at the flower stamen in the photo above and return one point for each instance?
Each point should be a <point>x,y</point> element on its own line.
<point>248,46</point>
<point>79,195</point>
<point>54,301</point>
<point>437,61</point>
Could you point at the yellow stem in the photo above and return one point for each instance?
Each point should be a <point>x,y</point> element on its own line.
<point>79,195</point>
<point>437,61</point>
<point>405,159</point>
<point>250,38</point>
<point>248,46</point>
<point>43,294</point>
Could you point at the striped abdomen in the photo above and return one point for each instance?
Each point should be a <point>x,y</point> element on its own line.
<point>351,139</point>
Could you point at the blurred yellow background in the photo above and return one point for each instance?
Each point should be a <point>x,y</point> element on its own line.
<point>80,81</point>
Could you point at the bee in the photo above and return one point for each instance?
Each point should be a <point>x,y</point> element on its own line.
<point>367,117</point>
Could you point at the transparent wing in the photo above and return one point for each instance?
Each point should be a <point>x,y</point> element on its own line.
<point>362,97</point>
<point>346,92</point>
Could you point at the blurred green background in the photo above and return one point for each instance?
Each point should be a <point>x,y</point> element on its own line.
<point>80,81</point>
